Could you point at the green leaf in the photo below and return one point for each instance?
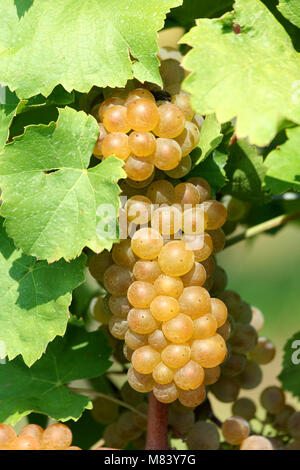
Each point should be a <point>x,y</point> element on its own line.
<point>212,169</point>
<point>284,164</point>
<point>186,14</point>
<point>34,299</point>
<point>291,10</point>
<point>8,107</point>
<point>51,202</point>
<point>41,388</point>
<point>245,171</point>
<point>239,75</point>
<point>210,138</point>
<point>80,44</point>
<point>289,375</point>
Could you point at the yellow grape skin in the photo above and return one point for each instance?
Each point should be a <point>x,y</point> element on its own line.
<point>202,186</point>
<point>147,271</point>
<point>142,115</point>
<point>216,214</point>
<point>118,327</point>
<point>195,277</point>
<point>219,311</point>
<point>108,103</point>
<point>117,280</point>
<point>139,168</point>
<point>138,209</point>
<point>56,437</point>
<point>98,146</point>
<point>115,119</point>
<point>175,260</point>
<point>167,220</point>
<point>141,294</point>
<point>123,255</point>
<point>194,222</point>
<point>164,308</point>
<point>205,327</point>
<point>162,374</point>
<point>140,382</point>
<point>168,285</point>
<point>161,192</point>
<point>141,321</point>
<point>192,398</point>
<point>135,340</point>
<point>176,355</point>
<point>115,143</point>
<point>157,340</point>
<point>165,393</point>
<point>179,329</point>
<point>167,154</point>
<point>119,305</point>
<point>182,100</point>
<point>182,169</point>
<point>99,263</point>
<point>189,138</point>
<point>186,193</point>
<point>145,359</point>
<point>146,243</point>
<point>211,375</point>
<point>190,376</point>
<point>137,94</point>
<point>171,121</point>
<point>142,144</point>
<point>195,301</point>
<point>209,352</point>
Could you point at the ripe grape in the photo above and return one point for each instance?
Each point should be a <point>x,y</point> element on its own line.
<point>245,408</point>
<point>219,311</point>
<point>182,100</point>
<point>141,321</point>
<point>250,377</point>
<point>179,329</point>
<point>105,411</point>
<point>172,74</point>
<point>147,271</point>
<point>118,327</point>
<point>220,279</point>
<point>167,220</point>
<point>142,115</point>
<point>216,214</point>
<point>33,430</point>
<point>138,209</point>
<point>211,376</point>
<point>225,330</point>
<point>117,280</point>
<point>194,223</point>
<point>7,434</point>
<point>189,138</point>
<point>176,355</point>
<point>195,277</point>
<point>158,340</point>
<point>164,308</point>
<point>218,238</point>
<point>171,121</point>
<point>226,389</point>
<point>256,443</point>
<point>166,393</point>
<point>100,311</point>
<point>198,120</point>
<point>264,351</point>
<point>162,374</point>
<point>273,399</point>
<point>116,143</point>
<point>181,422</point>
<point>139,168</point>
<point>98,152</point>
<point>167,154</point>
<point>115,119</point>
<point>244,339</point>
<point>99,263</point>
<point>119,306</point>
<point>209,352</point>
<point>142,144</point>
<point>161,192</point>
<point>140,382</point>
<point>195,301</point>
<point>145,359</point>
<point>192,398</point>
<point>202,186</point>
<point>182,169</point>
<point>190,376</point>
<point>294,425</point>
<point>123,255</point>
<point>281,419</point>
<point>56,437</point>
<point>135,340</point>
<point>209,265</point>
<point>234,364</point>
<point>204,327</point>
<point>146,243</point>
<point>186,193</point>
<point>25,443</point>
<point>235,429</point>
<point>108,103</point>
<point>168,286</point>
<point>174,259</point>
<point>203,436</point>
<point>140,294</point>
<point>139,93</point>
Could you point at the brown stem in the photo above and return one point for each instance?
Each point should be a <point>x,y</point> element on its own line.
<point>157,429</point>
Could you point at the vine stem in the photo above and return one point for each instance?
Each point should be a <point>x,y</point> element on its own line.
<point>263,227</point>
<point>157,428</point>
<point>93,393</point>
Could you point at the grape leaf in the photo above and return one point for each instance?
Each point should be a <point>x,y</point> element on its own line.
<point>41,388</point>
<point>212,170</point>
<point>284,164</point>
<point>240,75</point>
<point>8,106</point>
<point>210,138</point>
<point>291,10</point>
<point>289,375</point>
<point>51,202</point>
<point>34,299</point>
<point>80,44</point>
<point>186,14</point>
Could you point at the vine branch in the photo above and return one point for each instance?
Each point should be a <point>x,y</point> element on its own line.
<point>157,428</point>
<point>263,227</point>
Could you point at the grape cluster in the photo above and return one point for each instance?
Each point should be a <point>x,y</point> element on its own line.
<point>33,437</point>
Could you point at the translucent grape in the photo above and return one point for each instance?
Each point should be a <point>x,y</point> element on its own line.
<point>33,430</point>
<point>174,259</point>
<point>232,300</point>
<point>225,331</point>
<point>146,243</point>
<point>7,434</point>
<point>190,376</point>
<point>167,154</point>
<point>167,220</point>
<point>144,359</point>
<point>138,209</point>
<point>57,437</point>
<point>105,411</point>
<point>127,426</point>
<point>234,364</point>
<point>226,389</point>
<point>168,286</point>
<point>195,277</point>
<point>273,399</point>
<point>294,425</point>
<point>25,443</point>
<point>164,308</point>
<point>198,120</point>
<point>203,436</point>
<point>127,353</point>
<point>147,271</point>
<point>99,263</point>
<point>176,355</point>
<point>123,255</point>
<point>140,382</point>
<point>281,419</point>
<point>218,239</point>
<point>204,327</point>
<point>162,374</point>
<point>245,408</point>
<point>119,306</point>
<point>186,193</point>
<point>192,398</point>
<point>98,146</point>
<point>117,280</point>
<point>108,103</point>
<point>202,187</point>
<point>250,377</point>
<point>194,301</point>
<point>212,375</point>
<point>113,438</point>
<point>141,321</point>
<point>256,443</point>
<point>257,320</point>
<point>235,429</point>
<point>139,185</point>
<point>171,73</point>
<point>161,192</point>
<point>209,352</point>
<point>139,93</point>
<point>216,214</point>
<point>142,144</point>
<point>116,143</point>
<point>165,393</point>
<point>134,340</point>
<point>171,121</point>
<point>181,422</point>
<point>209,265</point>
<point>194,223</point>
<point>244,339</point>
<point>157,340</point>
<point>118,327</point>
<point>142,115</point>
<point>182,100</point>
<point>244,314</point>
<point>182,169</point>
<point>264,351</point>
<point>189,138</point>
<point>140,294</point>
<point>115,119</point>
<point>179,329</point>
<point>100,311</point>
<point>139,168</point>
<point>219,311</point>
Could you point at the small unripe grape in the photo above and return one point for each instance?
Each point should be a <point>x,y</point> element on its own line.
<point>118,327</point>
<point>7,434</point>
<point>212,375</point>
<point>219,311</point>
<point>161,192</point>
<point>232,300</point>
<point>234,364</point>
<point>182,422</point>
<point>256,443</point>
<point>157,340</point>
<point>25,443</point>
<point>127,426</point>
<point>244,339</point>
<point>179,329</point>
<point>264,351</point>
<point>167,154</point>
<point>195,277</point>
<point>144,359</point>
<point>104,411</point>
<point>273,399</point>
<point>168,286</point>
<point>142,144</point>
<point>203,436</point>
<point>147,271</point>
<point>142,115</point>
<point>113,438</point>
<point>146,243</point>
<point>139,168</point>
<point>171,121</point>
<point>119,306</point>
<point>140,294</point>
<point>194,223</point>
<point>165,393</point>
<point>174,259</point>
<point>123,255</point>
<point>209,352</point>
<point>176,355</point>
<point>138,420</point>
<point>33,430</point>
<point>131,396</point>
<point>115,119</point>
<point>116,143</point>
<point>257,320</point>
<point>98,146</point>
<point>218,239</point>
<point>250,377</point>
<point>171,73</point>
<point>117,280</point>
<point>99,263</point>
<point>108,103</point>
<point>194,301</point>
<point>209,265</point>
<point>281,419</point>
<point>164,308</point>
<point>190,376</point>
<point>140,382</point>
<point>167,220</point>
<point>135,340</point>
<point>245,408</point>
<point>216,214</point>
<point>186,193</point>
<point>183,168</point>
<point>182,100</point>
<point>192,398</point>
<point>226,389</point>
<point>202,187</point>
<point>204,327</point>
<point>162,374</point>
<point>57,437</point>
<point>137,94</point>
<point>138,210</point>
<point>141,321</point>
<point>235,429</point>
<point>244,314</point>
<point>294,425</point>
